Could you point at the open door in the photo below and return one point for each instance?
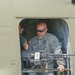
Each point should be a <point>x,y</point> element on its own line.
<point>58,27</point>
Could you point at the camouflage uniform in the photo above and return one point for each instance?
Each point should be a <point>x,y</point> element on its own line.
<point>49,43</point>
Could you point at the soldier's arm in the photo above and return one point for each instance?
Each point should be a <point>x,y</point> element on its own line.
<point>60,61</point>
<point>56,48</point>
<point>25,45</point>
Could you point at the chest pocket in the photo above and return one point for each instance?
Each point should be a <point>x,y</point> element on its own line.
<point>40,45</point>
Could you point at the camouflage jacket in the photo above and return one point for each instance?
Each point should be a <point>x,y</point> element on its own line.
<point>49,43</point>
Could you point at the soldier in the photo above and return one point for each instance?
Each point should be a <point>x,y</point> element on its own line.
<point>23,42</point>
<point>49,42</point>
<point>23,45</point>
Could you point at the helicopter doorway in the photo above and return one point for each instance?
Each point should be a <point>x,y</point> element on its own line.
<point>58,27</point>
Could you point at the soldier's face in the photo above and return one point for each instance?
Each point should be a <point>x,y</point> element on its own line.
<point>41,31</point>
<point>19,28</point>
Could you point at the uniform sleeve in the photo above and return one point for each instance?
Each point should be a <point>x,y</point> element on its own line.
<point>60,61</point>
<point>56,48</point>
<point>22,40</point>
<point>30,45</point>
